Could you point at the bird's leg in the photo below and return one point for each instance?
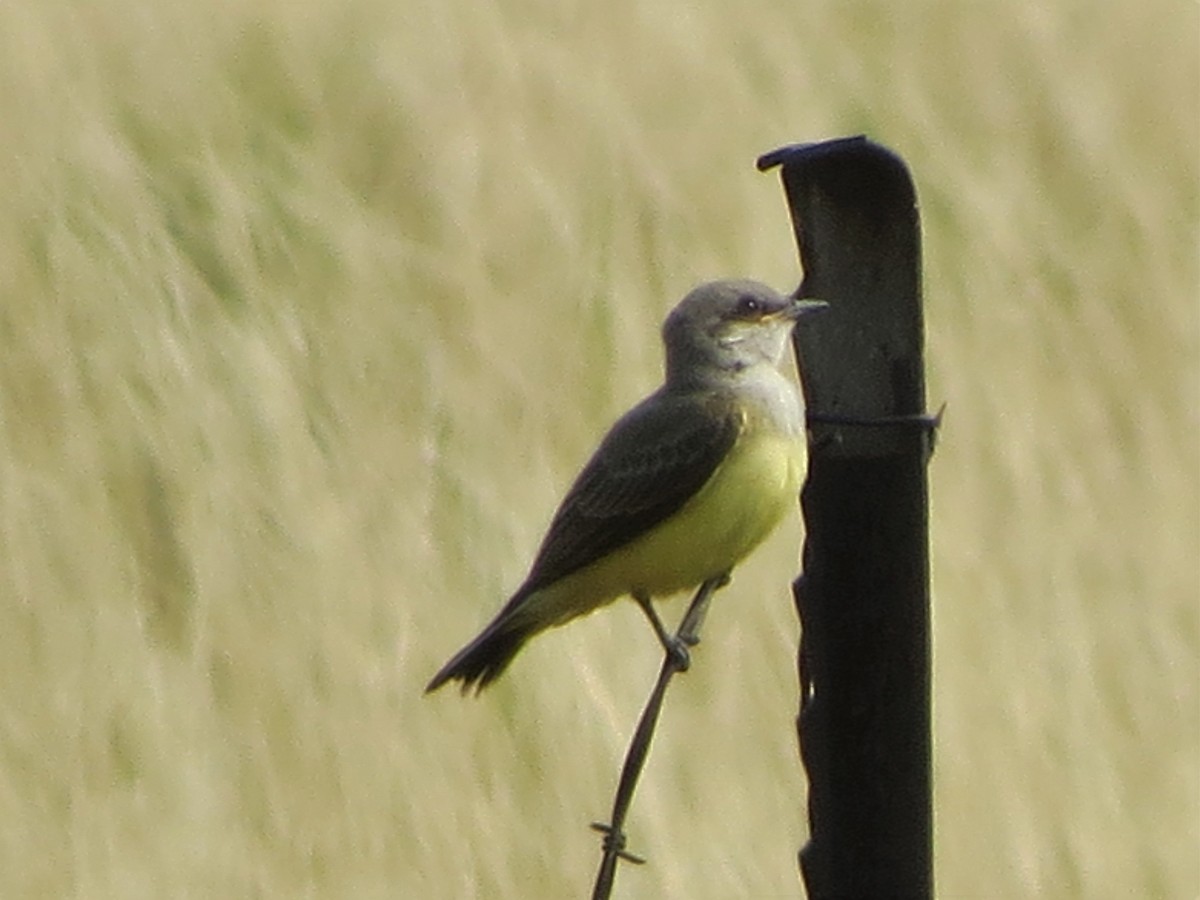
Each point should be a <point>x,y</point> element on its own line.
<point>676,647</point>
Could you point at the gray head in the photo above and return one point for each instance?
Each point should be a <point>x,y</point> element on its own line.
<point>726,327</point>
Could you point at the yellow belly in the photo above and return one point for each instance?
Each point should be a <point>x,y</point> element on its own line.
<point>736,509</point>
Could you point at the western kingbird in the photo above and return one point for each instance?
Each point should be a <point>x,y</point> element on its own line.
<point>684,485</point>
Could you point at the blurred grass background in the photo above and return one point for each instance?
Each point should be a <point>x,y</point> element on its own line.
<point>311,311</point>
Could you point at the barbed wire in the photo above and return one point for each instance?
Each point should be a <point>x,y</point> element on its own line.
<point>613,845</point>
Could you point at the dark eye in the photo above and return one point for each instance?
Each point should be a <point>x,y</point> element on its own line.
<point>749,305</point>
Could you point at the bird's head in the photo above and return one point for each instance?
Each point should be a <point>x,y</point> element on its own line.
<point>727,327</point>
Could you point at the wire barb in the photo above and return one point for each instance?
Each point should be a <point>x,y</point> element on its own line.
<point>614,842</point>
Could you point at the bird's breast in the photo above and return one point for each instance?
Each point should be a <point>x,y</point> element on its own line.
<point>743,501</point>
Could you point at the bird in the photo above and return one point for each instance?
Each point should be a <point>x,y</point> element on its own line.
<point>682,487</point>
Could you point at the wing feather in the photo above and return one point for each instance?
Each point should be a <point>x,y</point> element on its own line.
<point>653,460</point>
<point>649,465</point>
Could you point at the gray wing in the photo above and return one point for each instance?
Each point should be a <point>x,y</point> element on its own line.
<point>653,460</point>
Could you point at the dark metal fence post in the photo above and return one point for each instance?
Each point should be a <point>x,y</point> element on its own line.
<point>863,600</point>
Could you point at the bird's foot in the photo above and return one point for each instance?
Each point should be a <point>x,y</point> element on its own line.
<point>677,651</point>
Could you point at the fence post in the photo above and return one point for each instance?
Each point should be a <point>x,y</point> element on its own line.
<point>863,597</point>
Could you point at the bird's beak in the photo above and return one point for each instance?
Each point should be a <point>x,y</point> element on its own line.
<point>798,308</point>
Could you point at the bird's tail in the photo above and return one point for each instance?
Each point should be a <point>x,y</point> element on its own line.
<point>483,660</point>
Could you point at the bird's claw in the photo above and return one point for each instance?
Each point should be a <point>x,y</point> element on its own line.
<point>677,652</point>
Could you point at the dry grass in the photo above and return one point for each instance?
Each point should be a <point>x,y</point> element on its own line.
<point>294,298</point>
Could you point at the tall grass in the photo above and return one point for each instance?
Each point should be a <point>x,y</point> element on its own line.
<point>309,313</point>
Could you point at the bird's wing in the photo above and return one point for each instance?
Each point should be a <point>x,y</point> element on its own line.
<point>653,460</point>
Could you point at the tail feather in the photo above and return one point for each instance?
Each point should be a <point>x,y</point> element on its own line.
<point>483,660</point>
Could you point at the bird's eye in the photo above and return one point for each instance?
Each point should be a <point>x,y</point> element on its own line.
<point>749,305</point>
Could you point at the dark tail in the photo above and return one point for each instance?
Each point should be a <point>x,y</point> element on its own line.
<point>480,662</point>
